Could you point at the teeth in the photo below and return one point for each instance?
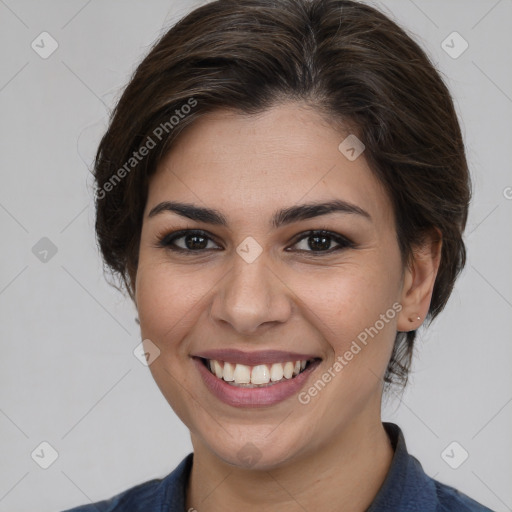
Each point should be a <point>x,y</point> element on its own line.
<point>276,372</point>
<point>242,374</point>
<point>259,375</point>
<point>288,370</point>
<point>227,372</point>
<point>217,368</point>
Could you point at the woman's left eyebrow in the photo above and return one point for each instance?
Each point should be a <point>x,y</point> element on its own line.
<point>280,218</point>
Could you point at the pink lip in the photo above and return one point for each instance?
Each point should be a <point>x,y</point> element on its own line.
<point>253,397</point>
<point>253,358</point>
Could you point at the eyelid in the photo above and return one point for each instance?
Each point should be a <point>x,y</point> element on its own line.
<point>165,240</point>
<point>338,238</point>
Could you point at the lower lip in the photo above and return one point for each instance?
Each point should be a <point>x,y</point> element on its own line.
<point>253,397</point>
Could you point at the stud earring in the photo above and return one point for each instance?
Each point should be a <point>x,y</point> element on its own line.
<point>414,318</point>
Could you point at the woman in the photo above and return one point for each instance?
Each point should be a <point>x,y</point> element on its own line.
<point>282,190</point>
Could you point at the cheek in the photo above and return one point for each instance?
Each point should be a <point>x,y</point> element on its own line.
<point>348,299</point>
<point>167,303</point>
<point>355,308</point>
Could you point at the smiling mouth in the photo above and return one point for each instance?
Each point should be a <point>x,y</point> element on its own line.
<point>258,376</point>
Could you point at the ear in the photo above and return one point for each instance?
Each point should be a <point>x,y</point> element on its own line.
<point>418,284</point>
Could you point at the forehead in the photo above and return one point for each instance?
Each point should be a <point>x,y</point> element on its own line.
<point>283,156</point>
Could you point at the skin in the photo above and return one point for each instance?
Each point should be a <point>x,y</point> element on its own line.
<point>334,449</point>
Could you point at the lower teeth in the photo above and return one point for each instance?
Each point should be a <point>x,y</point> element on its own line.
<point>242,385</point>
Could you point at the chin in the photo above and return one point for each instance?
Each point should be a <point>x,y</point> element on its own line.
<point>248,453</point>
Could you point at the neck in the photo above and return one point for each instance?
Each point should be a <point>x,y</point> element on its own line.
<point>349,470</point>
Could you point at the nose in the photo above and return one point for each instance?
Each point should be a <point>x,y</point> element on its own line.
<point>252,297</point>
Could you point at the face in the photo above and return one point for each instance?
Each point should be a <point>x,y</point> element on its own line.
<point>255,286</point>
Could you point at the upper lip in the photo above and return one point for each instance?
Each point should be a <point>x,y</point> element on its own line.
<point>254,357</point>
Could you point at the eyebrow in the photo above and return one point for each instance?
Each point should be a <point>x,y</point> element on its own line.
<point>280,217</point>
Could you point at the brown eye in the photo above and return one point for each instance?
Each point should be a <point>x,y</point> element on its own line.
<point>317,242</point>
<point>196,241</point>
<point>186,241</point>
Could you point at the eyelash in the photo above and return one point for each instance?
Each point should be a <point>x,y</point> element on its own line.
<point>166,241</point>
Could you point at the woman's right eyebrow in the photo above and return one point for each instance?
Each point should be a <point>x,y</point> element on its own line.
<point>280,218</point>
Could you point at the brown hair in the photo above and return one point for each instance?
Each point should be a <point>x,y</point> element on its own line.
<point>346,60</point>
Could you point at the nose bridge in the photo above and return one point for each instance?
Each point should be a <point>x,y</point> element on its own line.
<point>251,295</point>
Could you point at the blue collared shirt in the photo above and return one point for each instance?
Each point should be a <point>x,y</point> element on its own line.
<point>406,488</point>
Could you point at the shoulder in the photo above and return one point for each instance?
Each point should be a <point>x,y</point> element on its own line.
<point>450,499</point>
<point>135,498</point>
<point>158,495</point>
<point>407,487</point>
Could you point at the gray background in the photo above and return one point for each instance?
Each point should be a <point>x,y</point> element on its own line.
<point>67,372</point>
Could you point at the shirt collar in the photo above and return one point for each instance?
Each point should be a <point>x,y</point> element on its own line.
<point>406,486</point>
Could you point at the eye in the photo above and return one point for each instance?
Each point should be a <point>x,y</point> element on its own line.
<point>316,242</point>
<point>320,242</point>
<point>186,241</point>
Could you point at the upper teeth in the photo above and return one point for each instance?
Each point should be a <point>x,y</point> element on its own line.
<point>259,374</point>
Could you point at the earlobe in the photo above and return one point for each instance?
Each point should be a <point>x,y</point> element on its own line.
<point>419,280</point>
